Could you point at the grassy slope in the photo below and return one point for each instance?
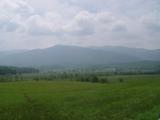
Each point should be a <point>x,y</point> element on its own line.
<point>137,98</point>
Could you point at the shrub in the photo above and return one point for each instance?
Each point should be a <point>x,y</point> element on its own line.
<point>104,80</point>
<point>121,80</point>
<point>88,78</point>
<point>36,79</point>
<point>93,79</point>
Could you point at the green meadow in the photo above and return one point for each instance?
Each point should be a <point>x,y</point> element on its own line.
<point>137,97</point>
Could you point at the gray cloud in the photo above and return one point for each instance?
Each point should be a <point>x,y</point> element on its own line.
<point>81,25</point>
<point>88,22</point>
<point>152,22</point>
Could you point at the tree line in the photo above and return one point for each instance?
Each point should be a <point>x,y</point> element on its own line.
<point>7,70</point>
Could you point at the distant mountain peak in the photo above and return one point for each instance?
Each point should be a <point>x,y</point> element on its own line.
<point>76,55</point>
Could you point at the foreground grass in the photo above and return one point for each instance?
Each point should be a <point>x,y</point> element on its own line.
<point>137,98</point>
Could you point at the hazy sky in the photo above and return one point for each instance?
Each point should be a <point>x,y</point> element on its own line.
<point>28,24</point>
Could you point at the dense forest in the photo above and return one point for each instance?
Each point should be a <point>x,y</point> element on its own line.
<point>7,70</point>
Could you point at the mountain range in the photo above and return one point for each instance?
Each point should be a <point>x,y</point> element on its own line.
<point>77,56</point>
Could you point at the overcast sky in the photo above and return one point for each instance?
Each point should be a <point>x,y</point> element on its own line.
<point>29,24</point>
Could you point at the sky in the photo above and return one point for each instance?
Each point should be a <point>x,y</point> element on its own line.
<point>32,24</point>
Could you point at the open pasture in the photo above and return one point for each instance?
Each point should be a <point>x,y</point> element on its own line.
<point>136,98</point>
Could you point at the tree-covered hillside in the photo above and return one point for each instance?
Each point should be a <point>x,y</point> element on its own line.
<point>79,56</point>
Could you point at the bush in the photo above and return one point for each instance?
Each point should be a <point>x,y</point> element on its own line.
<point>36,78</point>
<point>104,80</point>
<point>83,79</point>
<point>93,79</point>
<point>88,78</point>
<point>121,80</point>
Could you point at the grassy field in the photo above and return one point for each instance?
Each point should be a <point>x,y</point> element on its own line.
<point>136,98</point>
